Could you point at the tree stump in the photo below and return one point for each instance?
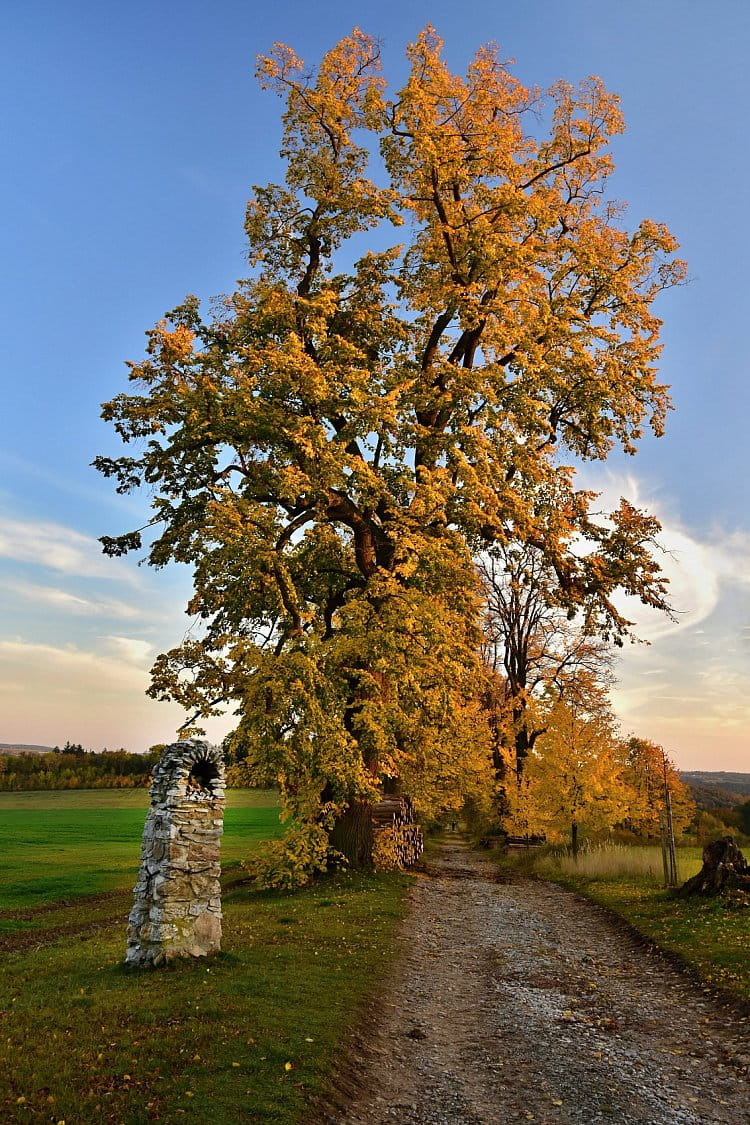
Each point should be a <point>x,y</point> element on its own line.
<point>724,869</point>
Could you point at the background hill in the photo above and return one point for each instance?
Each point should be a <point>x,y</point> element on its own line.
<point>14,748</point>
<point>715,789</point>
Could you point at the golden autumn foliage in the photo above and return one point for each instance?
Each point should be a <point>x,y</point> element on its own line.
<point>331,448</point>
<point>648,769</point>
<point>582,781</point>
<point>532,650</point>
<point>577,775</point>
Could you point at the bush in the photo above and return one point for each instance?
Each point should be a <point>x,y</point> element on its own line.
<point>292,862</point>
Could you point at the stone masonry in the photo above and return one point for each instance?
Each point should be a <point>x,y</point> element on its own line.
<point>177,908</point>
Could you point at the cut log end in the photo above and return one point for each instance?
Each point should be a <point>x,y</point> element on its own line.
<point>398,841</point>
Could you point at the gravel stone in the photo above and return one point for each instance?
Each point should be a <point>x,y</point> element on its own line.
<point>532,1005</point>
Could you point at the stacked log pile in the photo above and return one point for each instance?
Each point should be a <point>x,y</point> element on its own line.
<point>398,840</point>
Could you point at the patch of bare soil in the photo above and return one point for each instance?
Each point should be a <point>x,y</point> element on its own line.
<point>35,939</point>
<point>518,1001</point>
<point>65,917</point>
<point>29,913</point>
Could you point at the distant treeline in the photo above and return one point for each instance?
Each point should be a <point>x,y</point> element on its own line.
<point>72,767</point>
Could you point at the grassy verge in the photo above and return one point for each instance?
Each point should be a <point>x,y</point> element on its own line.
<point>711,936</point>
<point>251,1035</point>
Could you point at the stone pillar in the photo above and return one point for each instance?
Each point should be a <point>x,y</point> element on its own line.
<point>177,908</point>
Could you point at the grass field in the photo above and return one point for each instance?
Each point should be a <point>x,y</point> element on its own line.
<point>249,1036</point>
<point>712,936</point>
<point>63,844</point>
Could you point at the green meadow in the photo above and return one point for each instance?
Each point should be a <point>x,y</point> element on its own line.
<point>62,844</point>
<point>256,1033</point>
<point>252,1035</point>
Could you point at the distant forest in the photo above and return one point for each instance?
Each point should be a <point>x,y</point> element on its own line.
<point>721,798</point>
<point>728,788</point>
<point>72,767</point>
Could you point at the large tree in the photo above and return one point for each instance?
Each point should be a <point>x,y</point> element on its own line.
<point>359,417</point>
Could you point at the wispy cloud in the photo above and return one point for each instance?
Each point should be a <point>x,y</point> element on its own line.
<point>131,650</point>
<point>67,666</point>
<point>697,566</point>
<point>67,602</point>
<point>59,548</point>
<point>103,494</point>
<point>689,687</point>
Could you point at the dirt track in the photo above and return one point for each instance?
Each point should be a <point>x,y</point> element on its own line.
<point>520,1002</point>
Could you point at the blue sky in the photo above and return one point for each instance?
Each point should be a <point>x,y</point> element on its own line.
<point>132,135</point>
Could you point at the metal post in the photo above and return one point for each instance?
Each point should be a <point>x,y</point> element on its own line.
<point>663,835</point>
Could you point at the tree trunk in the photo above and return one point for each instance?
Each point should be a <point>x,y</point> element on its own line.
<point>525,740</point>
<point>574,838</point>
<point>521,746</point>
<point>352,834</point>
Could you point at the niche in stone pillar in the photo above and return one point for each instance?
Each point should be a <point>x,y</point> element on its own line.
<point>177,907</point>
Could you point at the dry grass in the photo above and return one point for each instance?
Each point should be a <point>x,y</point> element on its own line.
<point>612,861</point>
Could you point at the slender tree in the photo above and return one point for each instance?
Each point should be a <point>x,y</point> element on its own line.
<point>648,766</point>
<point>578,773</point>
<point>532,649</point>
<point>329,449</point>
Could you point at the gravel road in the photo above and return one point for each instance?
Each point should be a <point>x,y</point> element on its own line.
<point>519,1002</point>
